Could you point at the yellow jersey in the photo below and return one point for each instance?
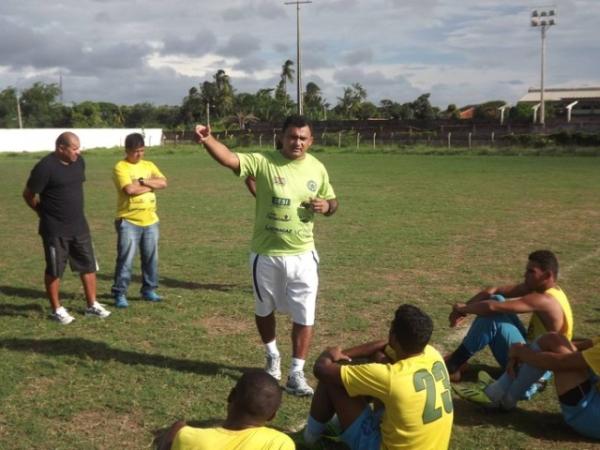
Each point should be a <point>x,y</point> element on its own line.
<point>255,438</point>
<point>416,395</point>
<point>536,326</point>
<point>592,357</point>
<point>137,209</point>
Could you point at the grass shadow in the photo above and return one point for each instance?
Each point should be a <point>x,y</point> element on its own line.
<point>99,351</point>
<point>8,309</point>
<point>181,284</point>
<point>542,425</point>
<point>12,291</point>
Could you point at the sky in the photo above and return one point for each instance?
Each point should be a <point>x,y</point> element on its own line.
<point>461,52</point>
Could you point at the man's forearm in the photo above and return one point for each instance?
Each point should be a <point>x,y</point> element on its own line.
<point>221,153</point>
<point>155,183</point>
<point>366,350</point>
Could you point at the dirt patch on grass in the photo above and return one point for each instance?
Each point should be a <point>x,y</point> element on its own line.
<point>218,325</point>
<point>36,388</point>
<point>105,429</point>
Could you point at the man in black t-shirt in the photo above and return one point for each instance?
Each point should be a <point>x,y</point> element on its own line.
<point>54,191</point>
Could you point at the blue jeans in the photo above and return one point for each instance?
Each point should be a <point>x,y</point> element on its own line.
<point>498,331</point>
<point>130,237</point>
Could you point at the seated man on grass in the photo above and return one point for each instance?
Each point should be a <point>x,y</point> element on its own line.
<point>576,367</point>
<point>414,390</point>
<point>497,324</point>
<point>252,403</point>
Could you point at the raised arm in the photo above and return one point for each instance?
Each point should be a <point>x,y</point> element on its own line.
<point>217,150</point>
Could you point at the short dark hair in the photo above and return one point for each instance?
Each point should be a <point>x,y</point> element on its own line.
<point>258,394</point>
<point>412,328</point>
<point>296,121</point>
<point>134,141</point>
<point>546,260</point>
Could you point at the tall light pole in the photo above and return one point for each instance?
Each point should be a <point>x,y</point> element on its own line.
<point>298,58</point>
<point>543,18</point>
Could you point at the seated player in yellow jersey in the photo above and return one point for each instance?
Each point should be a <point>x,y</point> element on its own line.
<point>414,390</point>
<point>498,326</point>
<point>252,403</point>
<point>576,367</point>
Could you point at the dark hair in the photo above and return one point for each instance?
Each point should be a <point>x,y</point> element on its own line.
<point>412,328</point>
<point>134,141</point>
<point>296,121</point>
<point>65,139</point>
<point>546,260</point>
<point>257,394</point>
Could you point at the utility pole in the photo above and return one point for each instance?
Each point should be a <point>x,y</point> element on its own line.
<point>18,109</point>
<point>298,56</point>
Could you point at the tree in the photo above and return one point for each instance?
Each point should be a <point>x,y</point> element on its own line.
<point>489,110</point>
<point>422,109</point>
<point>87,115</point>
<point>40,108</point>
<point>242,119</point>
<point>8,108</point>
<point>314,106</point>
<point>349,104</point>
<point>287,74</point>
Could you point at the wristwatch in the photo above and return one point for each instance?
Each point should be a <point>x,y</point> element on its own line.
<point>141,181</point>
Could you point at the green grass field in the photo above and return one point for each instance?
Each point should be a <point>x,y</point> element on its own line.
<point>428,230</point>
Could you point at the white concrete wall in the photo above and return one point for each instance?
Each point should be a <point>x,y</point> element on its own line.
<point>40,139</point>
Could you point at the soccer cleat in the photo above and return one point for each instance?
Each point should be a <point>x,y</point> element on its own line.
<point>121,301</point>
<point>484,379</point>
<point>151,296</point>
<point>273,366</point>
<point>62,316</point>
<point>297,385</point>
<point>97,310</point>
<point>473,394</point>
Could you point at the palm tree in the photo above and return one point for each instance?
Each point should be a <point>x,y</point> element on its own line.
<point>287,74</point>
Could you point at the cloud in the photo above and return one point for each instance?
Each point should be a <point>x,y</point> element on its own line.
<point>240,45</point>
<point>202,43</point>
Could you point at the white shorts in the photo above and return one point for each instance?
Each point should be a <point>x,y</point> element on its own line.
<point>288,284</point>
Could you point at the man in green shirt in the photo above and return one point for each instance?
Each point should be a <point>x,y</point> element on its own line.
<point>291,186</point>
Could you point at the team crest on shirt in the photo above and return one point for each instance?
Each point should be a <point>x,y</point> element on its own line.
<point>311,185</point>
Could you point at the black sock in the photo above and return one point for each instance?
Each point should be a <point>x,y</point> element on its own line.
<point>460,356</point>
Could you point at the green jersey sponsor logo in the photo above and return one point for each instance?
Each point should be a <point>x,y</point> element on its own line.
<point>277,201</point>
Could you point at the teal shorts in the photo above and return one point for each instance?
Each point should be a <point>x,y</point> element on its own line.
<point>365,431</point>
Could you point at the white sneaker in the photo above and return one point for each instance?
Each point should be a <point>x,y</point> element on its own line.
<point>297,385</point>
<point>273,366</point>
<point>62,316</point>
<point>97,310</point>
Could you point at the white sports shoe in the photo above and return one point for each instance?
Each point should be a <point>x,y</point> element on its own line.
<point>297,385</point>
<point>97,310</point>
<point>273,366</point>
<point>62,316</point>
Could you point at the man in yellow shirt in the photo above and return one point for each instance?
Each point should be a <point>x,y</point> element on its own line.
<point>576,367</point>
<point>498,326</point>
<point>413,389</point>
<point>252,403</point>
<point>136,222</point>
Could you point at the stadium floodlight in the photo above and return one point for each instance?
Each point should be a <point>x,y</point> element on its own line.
<point>298,59</point>
<point>502,109</point>
<point>543,18</point>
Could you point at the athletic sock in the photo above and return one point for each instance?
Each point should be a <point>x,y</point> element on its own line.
<point>313,430</point>
<point>496,390</point>
<point>271,348</point>
<point>297,365</point>
<point>460,356</point>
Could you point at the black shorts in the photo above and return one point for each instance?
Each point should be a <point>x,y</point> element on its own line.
<point>77,250</point>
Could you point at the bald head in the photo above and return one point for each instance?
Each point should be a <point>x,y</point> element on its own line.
<point>67,147</point>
